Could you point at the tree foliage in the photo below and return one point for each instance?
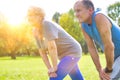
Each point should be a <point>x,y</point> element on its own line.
<point>16,40</point>
<point>114,12</point>
<point>71,25</point>
<point>56,17</point>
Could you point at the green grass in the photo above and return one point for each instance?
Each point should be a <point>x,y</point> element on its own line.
<point>33,68</point>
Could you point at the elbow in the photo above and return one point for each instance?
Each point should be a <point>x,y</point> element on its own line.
<point>112,47</point>
<point>52,49</point>
<point>109,47</point>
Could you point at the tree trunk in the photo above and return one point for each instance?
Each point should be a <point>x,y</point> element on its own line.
<point>13,56</point>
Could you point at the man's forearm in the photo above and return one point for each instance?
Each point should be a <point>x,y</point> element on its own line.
<point>95,58</point>
<point>109,54</point>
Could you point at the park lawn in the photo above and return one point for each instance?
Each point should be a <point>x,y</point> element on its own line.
<point>33,68</point>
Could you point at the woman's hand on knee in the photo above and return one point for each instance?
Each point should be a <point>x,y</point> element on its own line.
<point>52,72</point>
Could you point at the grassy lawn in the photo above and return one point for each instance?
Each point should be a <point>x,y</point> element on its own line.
<point>33,68</point>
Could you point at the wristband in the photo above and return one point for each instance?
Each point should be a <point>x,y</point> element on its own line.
<point>107,70</point>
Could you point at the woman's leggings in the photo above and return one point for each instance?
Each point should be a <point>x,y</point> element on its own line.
<point>68,65</point>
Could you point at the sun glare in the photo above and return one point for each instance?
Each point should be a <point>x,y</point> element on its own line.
<point>14,20</point>
<point>14,11</point>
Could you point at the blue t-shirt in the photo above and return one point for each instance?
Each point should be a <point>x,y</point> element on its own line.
<point>93,32</point>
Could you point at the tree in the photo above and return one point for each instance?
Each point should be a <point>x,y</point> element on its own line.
<point>114,12</point>
<point>3,33</point>
<point>71,25</point>
<point>56,17</point>
<point>16,41</point>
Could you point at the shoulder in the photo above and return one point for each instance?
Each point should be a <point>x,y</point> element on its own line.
<point>102,22</point>
<point>100,16</point>
<point>51,23</point>
<point>48,23</point>
<point>45,22</point>
<point>101,19</point>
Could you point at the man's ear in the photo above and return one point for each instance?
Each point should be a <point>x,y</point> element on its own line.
<point>91,10</point>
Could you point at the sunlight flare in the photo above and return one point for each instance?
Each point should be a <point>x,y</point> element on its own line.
<point>14,11</point>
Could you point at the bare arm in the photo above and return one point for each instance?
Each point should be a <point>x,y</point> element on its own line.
<point>42,52</point>
<point>104,27</point>
<point>52,48</point>
<point>93,51</point>
<point>95,57</point>
<point>44,57</point>
<point>51,70</point>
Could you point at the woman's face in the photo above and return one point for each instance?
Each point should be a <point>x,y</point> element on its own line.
<point>35,20</point>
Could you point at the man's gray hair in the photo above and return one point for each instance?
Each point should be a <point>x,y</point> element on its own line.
<point>88,4</point>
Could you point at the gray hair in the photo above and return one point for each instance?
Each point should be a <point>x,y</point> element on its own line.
<point>88,4</point>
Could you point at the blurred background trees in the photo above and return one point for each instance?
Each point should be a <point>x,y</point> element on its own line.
<point>114,12</point>
<point>71,25</point>
<point>18,40</point>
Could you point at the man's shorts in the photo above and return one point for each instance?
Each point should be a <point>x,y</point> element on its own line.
<point>115,75</point>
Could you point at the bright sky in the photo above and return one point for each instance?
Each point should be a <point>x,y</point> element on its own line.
<point>15,10</point>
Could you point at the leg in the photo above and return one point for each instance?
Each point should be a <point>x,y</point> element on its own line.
<point>65,66</point>
<point>115,75</point>
<point>75,74</point>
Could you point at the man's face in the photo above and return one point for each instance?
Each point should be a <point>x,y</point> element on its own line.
<point>81,12</point>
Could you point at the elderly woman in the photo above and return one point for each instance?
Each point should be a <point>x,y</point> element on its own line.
<point>54,41</point>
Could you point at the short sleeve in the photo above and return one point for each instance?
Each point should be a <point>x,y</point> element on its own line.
<point>50,30</point>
